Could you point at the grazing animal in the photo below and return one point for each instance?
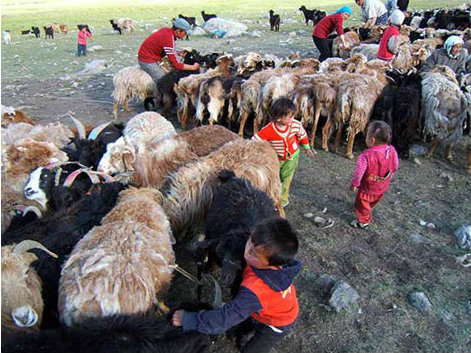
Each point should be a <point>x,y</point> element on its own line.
<point>123,24</point>
<point>157,159</point>
<point>127,333</point>
<point>64,29</point>
<point>36,32</point>
<point>274,21</point>
<point>22,304</point>
<point>308,14</point>
<point>13,116</point>
<point>28,31</point>
<point>7,37</point>
<point>236,208</point>
<point>190,20</point>
<point>123,266</point>
<point>207,17</point>
<point>115,26</point>
<point>48,32</point>
<point>131,83</point>
<point>444,108</point>
<point>189,191</point>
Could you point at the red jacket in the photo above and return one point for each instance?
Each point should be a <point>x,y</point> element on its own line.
<point>327,25</point>
<point>278,308</point>
<point>157,45</point>
<point>285,143</point>
<point>383,52</point>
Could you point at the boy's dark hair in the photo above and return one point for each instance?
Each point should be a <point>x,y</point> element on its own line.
<point>281,107</point>
<point>380,130</point>
<point>278,239</point>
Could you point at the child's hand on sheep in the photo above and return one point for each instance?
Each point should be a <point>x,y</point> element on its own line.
<point>177,318</point>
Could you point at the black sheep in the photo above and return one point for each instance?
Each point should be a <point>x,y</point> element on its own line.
<point>399,106</point>
<point>235,210</point>
<point>48,32</point>
<point>207,17</point>
<point>115,26</point>
<point>165,95</point>
<point>25,32</point>
<point>36,32</point>
<point>143,333</point>
<point>274,21</point>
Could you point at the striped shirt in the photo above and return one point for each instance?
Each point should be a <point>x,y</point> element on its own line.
<point>285,142</point>
<point>158,45</point>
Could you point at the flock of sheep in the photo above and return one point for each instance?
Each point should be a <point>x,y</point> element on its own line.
<point>105,205</point>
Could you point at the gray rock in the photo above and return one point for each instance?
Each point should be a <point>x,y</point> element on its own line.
<point>343,295</point>
<point>463,236</point>
<point>308,215</point>
<point>324,284</point>
<point>419,301</point>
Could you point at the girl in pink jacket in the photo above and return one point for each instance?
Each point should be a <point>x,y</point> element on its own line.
<point>374,170</point>
<point>82,41</point>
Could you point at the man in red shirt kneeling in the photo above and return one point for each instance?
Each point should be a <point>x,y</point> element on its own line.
<point>160,44</point>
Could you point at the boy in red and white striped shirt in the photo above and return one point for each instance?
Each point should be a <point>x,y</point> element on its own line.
<point>285,135</point>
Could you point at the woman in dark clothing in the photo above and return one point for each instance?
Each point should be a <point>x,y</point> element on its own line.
<point>325,27</point>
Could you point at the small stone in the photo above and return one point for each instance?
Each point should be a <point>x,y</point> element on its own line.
<point>419,203</point>
<point>422,223</point>
<point>308,215</point>
<point>431,225</point>
<point>419,301</point>
<point>447,176</point>
<point>463,236</point>
<point>343,295</point>
<point>324,284</point>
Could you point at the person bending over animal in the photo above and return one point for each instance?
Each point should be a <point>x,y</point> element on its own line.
<point>452,55</point>
<point>160,44</point>
<point>389,45</point>
<point>266,303</point>
<point>374,170</point>
<point>325,27</point>
<point>373,12</point>
<point>285,134</point>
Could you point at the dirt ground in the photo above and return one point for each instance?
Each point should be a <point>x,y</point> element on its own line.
<point>383,264</point>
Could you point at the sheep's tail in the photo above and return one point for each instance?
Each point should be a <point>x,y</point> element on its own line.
<point>121,333</point>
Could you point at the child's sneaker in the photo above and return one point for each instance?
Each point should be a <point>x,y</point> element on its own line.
<point>356,224</point>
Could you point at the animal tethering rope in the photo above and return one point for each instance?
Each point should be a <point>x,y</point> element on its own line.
<point>217,303</point>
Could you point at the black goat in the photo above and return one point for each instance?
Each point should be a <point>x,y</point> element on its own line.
<point>25,32</point>
<point>309,15</point>
<point>399,106</point>
<point>190,20</point>
<point>236,208</point>
<point>115,26</point>
<point>48,32</point>
<point>118,333</point>
<point>88,151</point>
<point>207,17</point>
<point>165,95</point>
<point>274,21</point>
<point>60,232</point>
<point>36,32</point>
<point>403,5</point>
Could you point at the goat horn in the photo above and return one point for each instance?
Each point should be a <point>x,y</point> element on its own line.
<point>28,244</point>
<point>217,302</point>
<point>34,209</point>
<point>97,130</point>
<point>80,128</point>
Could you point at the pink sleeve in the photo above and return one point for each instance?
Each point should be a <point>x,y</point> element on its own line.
<point>395,161</point>
<point>89,35</point>
<point>360,170</point>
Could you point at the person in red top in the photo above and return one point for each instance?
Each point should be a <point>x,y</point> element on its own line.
<point>266,303</point>
<point>374,170</point>
<point>389,45</point>
<point>82,41</point>
<point>325,27</point>
<point>160,44</point>
<point>285,135</point>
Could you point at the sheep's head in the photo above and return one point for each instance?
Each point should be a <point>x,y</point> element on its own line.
<point>39,185</point>
<point>118,158</point>
<point>249,63</point>
<point>28,154</point>
<point>231,252</point>
<point>22,304</point>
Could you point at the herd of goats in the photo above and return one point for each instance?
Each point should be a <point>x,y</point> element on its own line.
<point>91,216</point>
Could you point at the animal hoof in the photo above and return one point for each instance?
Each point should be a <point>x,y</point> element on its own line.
<point>350,156</point>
